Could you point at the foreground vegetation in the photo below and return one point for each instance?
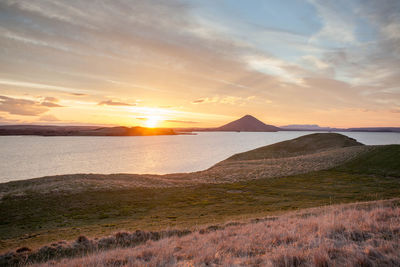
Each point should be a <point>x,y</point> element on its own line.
<point>364,234</point>
<point>32,217</point>
<point>340,236</point>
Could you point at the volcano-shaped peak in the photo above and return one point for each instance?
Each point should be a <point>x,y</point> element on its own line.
<point>247,123</point>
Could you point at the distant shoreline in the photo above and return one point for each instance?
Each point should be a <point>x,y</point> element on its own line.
<point>247,123</point>
<point>41,130</point>
<point>194,132</point>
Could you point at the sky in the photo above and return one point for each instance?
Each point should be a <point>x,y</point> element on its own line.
<point>200,63</point>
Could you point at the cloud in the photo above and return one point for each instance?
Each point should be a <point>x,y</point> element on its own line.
<point>275,67</point>
<point>4,120</point>
<point>51,99</point>
<point>25,107</point>
<point>51,104</point>
<point>114,103</point>
<point>338,23</point>
<point>48,118</point>
<point>198,101</point>
<point>182,121</point>
<point>35,85</point>
<point>78,94</point>
<point>171,121</point>
<point>230,100</point>
<point>315,63</point>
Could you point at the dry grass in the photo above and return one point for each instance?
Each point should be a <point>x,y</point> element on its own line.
<point>365,234</point>
<point>243,170</point>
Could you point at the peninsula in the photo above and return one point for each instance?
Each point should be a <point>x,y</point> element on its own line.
<point>82,130</point>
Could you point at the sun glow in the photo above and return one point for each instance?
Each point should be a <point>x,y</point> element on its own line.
<point>152,121</point>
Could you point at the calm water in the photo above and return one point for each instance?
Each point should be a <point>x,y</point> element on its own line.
<point>23,157</point>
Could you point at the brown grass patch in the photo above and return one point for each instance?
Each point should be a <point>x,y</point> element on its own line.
<point>366,234</point>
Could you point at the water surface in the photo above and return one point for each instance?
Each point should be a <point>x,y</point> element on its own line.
<point>23,157</point>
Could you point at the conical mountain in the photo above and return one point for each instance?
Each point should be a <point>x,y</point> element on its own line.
<point>247,124</point>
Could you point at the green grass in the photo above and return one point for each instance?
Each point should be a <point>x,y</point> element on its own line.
<point>55,216</point>
<point>382,160</point>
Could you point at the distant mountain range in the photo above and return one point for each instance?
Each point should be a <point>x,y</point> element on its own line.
<point>249,123</point>
<point>308,127</point>
<point>375,129</point>
<point>315,127</point>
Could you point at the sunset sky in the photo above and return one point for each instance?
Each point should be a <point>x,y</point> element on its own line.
<point>200,63</point>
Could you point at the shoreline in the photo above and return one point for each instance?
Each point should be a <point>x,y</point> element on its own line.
<point>226,171</point>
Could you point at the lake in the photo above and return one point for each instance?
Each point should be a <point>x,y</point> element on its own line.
<point>23,157</point>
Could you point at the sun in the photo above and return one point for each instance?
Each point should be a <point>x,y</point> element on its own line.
<point>152,121</point>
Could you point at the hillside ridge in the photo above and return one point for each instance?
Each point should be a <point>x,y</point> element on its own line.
<point>302,145</point>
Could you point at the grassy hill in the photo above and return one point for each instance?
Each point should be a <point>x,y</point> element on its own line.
<point>36,217</point>
<point>382,161</point>
<point>308,144</point>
